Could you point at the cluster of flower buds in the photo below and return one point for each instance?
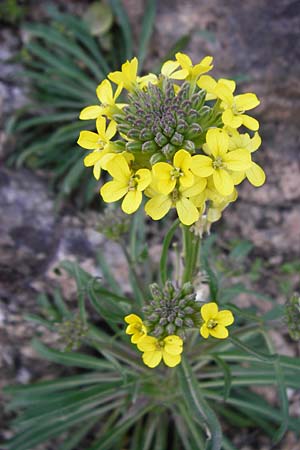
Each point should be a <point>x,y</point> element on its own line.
<point>175,139</point>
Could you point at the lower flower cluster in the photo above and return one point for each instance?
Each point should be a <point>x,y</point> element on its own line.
<point>170,347</point>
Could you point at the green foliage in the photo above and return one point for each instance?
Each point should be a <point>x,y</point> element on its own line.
<point>112,401</point>
<point>64,62</point>
<point>12,12</point>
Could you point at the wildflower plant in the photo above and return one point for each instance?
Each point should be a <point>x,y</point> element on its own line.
<point>174,361</point>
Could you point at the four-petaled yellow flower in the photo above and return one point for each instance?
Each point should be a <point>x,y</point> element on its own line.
<point>187,70</point>
<point>127,76</point>
<point>220,163</point>
<point>100,143</point>
<point>235,107</point>
<point>107,99</point>
<point>126,183</point>
<point>255,173</point>
<point>136,328</point>
<point>167,175</point>
<point>168,349</point>
<point>215,321</point>
<point>209,84</point>
<point>181,199</point>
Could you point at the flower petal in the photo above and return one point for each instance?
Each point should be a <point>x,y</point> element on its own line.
<point>204,331</point>
<point>132,318</point>
<point>244,102</point>
<point>111,130</point>
<point>113,191</point>
<point>201,165</point>
<point>187,211</point>
<point>223,182</point>
<point>88,140</point>
<point>225,317</point>
<point>92,158</point>
<point>250,122</point>
<point>237,160</point>
<point>256,175</point>
<point>169,67</point>
<point>97,170</point>
<point>171,360</point>
<point>91,112</point>
<point>219,332</point>
<point>231,120</point>
<point>197,188</point>
<point>144,178</point>
<point>132,201</point>
<point>152,358</point>
<point>147,344</point>
<point>105,93</point>
<point>217,141</point>
<point>118,168</point>
<point>158,206</point>
<point>209,311</point>
<point>173,345</point>
<point>229,83</point>
<point>224,93</point>
<point>181,159</point>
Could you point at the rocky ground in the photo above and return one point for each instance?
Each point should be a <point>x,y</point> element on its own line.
<point>255,41</point>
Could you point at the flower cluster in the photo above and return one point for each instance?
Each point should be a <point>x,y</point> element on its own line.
<point>174,139</point>
<point>152,337</point>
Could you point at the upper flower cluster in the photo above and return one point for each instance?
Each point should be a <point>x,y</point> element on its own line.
<point>174,139</point>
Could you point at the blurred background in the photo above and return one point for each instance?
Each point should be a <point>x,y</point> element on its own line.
<point>52,57</point>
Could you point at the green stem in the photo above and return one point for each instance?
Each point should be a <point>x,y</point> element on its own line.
<point>191,249</point>
<point>137,279</point>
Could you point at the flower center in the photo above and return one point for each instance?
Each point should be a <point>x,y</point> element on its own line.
<point>236,110</point>
<point>211,323</point>
<point>101,143</point>
<point>218,163</point>
<point>133,181</point>
<point>176,173</point>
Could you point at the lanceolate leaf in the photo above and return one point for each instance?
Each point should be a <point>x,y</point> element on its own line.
<point>194,399</point>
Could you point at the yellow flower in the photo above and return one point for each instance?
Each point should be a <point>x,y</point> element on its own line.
<point>167,175</point>
<point>99,142</point>
<point>146,79</point>
<point>209,84</point>
<point>235,106</point>
<point>193,72</point>
<point>107,99</point>
<point>187,71</point>
<point>168,349</point>
<point>181,199</point>
<point>255,173</point>
<point>220,162</point>
<point>127,77</point>
<point>126,183</point>
<point>136,328</point>
<point>215,321</point>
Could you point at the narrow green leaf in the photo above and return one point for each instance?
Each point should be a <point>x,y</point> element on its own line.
<point>165,251</point>
<point>227,375</point>
<point>70,359</point>
<point>43,432</point>
<point>195,401</point>
<point>259,355</point>
<point>77,435</point>
<point>123,21</point>
<point>146,31</point>
<point>108,274</point>
<point>132,415</point>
